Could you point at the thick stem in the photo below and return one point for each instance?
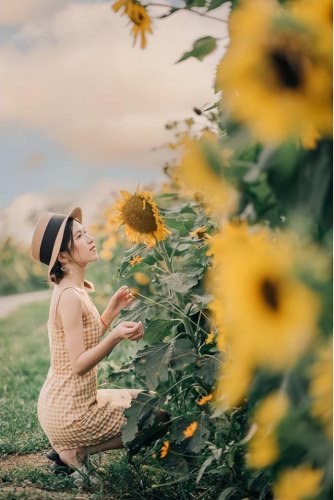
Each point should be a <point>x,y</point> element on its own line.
<point>178,296</point>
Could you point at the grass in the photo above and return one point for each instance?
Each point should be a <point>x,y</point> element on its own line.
<point>24,361</point>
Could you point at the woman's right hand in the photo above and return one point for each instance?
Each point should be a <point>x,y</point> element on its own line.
<point>128,330</point>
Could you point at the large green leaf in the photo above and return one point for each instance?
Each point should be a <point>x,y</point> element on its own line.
<point>140,411</point>
<point>183,354</point>
<point>152,363</point>
<point>201,48</point>
<point>157,329</point>
<point>180,282</point>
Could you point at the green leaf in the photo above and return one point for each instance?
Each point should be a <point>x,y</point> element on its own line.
<point>157,329</point>
<point>227,493</point>
<point>140,410</point>
<point>208,369</point>
<point>195,3</point>
<point>180,282</point>
<point>152,363</point>
<point>201,48</point>
<point>183,354</point>
<point>214,4</point>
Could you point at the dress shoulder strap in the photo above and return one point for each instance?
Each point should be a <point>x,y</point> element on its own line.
<point>54,305</point>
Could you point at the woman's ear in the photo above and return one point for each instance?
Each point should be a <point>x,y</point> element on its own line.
<point>61,258</point>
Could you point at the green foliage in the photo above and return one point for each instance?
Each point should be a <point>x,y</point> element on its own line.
<point>18,272</point>
<point>202,47</point>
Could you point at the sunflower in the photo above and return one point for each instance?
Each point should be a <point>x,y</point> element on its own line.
<point>141,278</point>
<point>262,447</point>
<point>321,388</point>
<point>270,317</point>
<point>274,77</point>
<point>210,338</point>
<point>299,483</point>
<point>201,170</point>
<point>136,260</point>
<point>164,449</point>
<point>204,399</point>
<point>318,16</point>
<point>190,430</point>
<point>140,215</point>
<point>106,254</point>
<point>138,15</point>
<point>233,382</point>
<point>200,233</point>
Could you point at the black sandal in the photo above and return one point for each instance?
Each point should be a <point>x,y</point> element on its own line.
<point>58,467</point>
<point>61,470</point>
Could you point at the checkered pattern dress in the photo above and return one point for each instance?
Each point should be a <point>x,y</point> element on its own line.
<point>71,410</point>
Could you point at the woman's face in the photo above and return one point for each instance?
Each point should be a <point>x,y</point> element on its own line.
<point>84,248</point>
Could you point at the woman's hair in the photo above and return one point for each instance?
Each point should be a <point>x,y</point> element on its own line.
<point>67,246</point>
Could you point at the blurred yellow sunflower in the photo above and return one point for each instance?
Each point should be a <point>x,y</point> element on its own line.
<point>141,278</point>
<point>138,15</point>
<point>273,76</point>
<point>201,170</point>
<point>262,447</point>
<point>141,218</point>
<point>318,16</point>
<point>270,317</point>
<point>234,380</point>
<point>105,254</point>
<point>298,484</point>
<point>321,387</point>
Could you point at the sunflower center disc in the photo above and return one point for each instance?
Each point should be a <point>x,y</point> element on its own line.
<point>270,294</point>
<point>288,69</point>
<point>139,216</point>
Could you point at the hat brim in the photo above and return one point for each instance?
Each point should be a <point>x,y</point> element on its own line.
<point>75,213</point>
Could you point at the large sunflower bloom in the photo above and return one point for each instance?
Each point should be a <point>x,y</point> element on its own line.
<point>141,218</point>
<point>270,316</point>
<point>274,77</point>
<point>138,15</point>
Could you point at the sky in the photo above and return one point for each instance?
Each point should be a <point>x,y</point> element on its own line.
<point>80,105</point>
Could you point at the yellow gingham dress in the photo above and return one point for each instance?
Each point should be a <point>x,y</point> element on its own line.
<point>71,410</point>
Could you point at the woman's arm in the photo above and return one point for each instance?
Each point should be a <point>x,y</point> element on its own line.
<point>82,360</point>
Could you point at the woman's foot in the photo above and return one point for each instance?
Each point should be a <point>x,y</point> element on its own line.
<point>74,457</point>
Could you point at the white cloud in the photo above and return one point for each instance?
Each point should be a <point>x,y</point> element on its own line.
<point>81,82</point>
<point>14,12</point>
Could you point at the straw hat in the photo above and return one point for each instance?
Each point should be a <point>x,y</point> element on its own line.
<point>48,236</point>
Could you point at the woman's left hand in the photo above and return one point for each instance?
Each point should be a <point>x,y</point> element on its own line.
<point>121,299</point>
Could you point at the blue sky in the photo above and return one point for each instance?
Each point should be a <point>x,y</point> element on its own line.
<point>32,162</point>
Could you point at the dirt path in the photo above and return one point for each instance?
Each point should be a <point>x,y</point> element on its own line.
<point>9,303</point>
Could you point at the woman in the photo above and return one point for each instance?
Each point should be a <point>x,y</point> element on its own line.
<point>78,418</point>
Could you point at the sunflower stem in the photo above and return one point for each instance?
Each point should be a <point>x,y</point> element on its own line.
<point>178,296</point>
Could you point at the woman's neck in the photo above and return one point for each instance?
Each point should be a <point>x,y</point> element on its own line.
<point>76,278</point>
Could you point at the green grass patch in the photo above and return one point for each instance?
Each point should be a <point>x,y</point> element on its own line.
<point>24,360</point>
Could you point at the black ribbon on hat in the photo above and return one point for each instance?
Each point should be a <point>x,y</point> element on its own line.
<point>49,238</point>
